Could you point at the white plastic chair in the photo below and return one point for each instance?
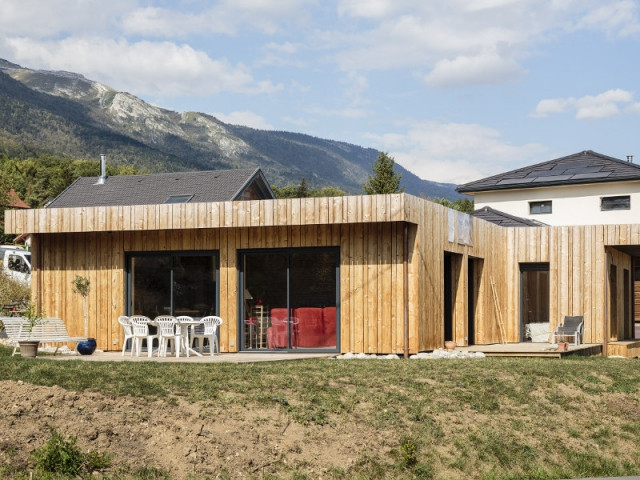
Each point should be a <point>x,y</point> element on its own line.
<point>167,332</point>
<point>128,332</point>
<point>209,332</point>
<point>140,326</point>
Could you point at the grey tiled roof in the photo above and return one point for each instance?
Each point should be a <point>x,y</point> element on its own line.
<point>504,219</point>
<point>152,189</point>
<point>579,168</point>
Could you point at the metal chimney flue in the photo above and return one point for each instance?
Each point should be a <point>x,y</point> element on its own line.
<point>103,170</point>
<point>630,158</point>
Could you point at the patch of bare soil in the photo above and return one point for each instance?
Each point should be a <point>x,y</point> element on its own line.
<point>179,437</point>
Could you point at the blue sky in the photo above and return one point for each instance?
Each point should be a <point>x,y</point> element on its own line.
<point>454,90</point>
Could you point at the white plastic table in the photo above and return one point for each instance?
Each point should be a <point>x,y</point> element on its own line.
<point>184,334</point>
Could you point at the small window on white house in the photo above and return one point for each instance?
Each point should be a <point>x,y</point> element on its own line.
<point>621,202</point>
<point>540,207</point>
<point>179,199</point>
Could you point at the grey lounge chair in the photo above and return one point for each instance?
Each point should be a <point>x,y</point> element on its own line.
<point>570,327</point>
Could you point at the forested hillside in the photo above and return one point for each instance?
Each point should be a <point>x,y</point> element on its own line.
<point>39,179</point>
<point>66,115</point>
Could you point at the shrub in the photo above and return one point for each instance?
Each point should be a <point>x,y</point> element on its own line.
<point>12,291</point>
<point>64,457</point>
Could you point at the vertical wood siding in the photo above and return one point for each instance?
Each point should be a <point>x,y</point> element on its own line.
<point>92,242</point>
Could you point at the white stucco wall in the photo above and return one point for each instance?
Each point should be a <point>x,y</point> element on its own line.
<point>571,205</point>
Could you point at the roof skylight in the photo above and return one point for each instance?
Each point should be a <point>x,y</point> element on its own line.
<point>179,198</point>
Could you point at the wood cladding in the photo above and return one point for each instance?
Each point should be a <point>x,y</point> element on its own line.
<point>180,216</point>
<point>369,230</point>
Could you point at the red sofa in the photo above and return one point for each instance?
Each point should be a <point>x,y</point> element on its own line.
<point>311,327</point>
<point>329,322</point>
<point>277,332</point>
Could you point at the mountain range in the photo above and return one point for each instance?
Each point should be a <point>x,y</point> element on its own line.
<point>65,114</point>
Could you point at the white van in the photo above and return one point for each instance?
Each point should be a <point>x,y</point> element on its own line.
<point>4,248</point>
<point>17,264</point>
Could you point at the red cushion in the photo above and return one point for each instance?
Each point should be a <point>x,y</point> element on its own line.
<point>329,321</point>
<point>310,326</point>
<point>277,332</point>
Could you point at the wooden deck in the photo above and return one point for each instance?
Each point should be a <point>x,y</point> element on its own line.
<point>625,348</point>
<point>530,349</point>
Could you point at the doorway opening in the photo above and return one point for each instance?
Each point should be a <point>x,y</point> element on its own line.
<point>534,302</point>
<point>452,290</point>
<point>474,276</point>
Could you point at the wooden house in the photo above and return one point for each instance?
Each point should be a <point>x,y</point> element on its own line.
<point>372,274</point>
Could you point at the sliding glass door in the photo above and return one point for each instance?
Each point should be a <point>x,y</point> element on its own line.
<point>176,283</point>
<point>289,299</point>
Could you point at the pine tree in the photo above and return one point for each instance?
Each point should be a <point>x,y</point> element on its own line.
<point>303,189</point>
<point>384,179</point>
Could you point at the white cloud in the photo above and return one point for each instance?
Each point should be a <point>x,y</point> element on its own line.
<point>371,9</point>
<point>589,107</point>
<point>162,22</point>
<point>281,54</point>
<point>227,17</point>
<point>158,68</point>
<point>41,18</point>
<point>552,105</point>
<point>245,117</point>
<point>614,18</point>
<point>458,42</point>
<point>483,69</point>
<point>454,152</point>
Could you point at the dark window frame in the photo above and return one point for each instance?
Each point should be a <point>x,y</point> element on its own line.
<point>544,207</point>
<point>288,252</point>
<point>172,254</point>
<point>615,202</point>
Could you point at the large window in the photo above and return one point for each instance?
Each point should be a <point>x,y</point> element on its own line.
<point>289,299</point>
<point>183,283</point>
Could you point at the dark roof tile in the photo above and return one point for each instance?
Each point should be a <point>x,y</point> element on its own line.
<point>504,219</point>
<point>580,168</point>
<point>152,189</point>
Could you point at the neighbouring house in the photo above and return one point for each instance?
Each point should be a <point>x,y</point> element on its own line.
<point>163,188</point>
<point>373,274</point>
<point>14,200</point>
<point>586,188</point>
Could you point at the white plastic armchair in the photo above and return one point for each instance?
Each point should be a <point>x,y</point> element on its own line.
<point>209,332</point>
<point>167,332</point>
<point>128,332</point>
<point>140,326</point>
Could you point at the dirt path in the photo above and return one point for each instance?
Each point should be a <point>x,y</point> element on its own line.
<point>182,438</point>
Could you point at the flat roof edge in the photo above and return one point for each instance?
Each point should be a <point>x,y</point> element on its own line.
<point>229,214</point>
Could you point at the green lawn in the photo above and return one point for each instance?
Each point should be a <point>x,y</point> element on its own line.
<point>511,418</point>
